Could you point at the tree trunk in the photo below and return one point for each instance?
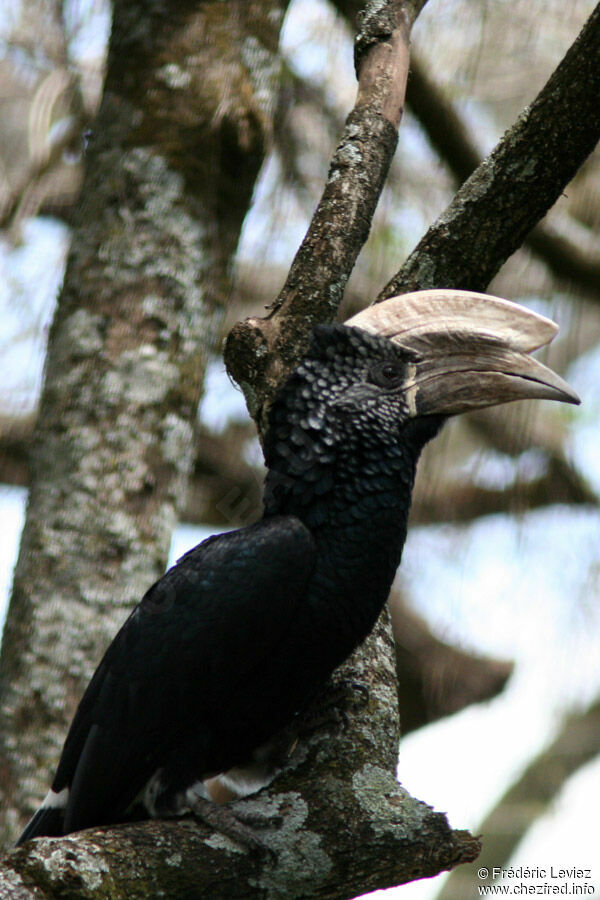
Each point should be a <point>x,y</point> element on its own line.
<point>179,139</point>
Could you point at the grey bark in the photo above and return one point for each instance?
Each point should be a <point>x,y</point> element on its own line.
<point>189,89</point>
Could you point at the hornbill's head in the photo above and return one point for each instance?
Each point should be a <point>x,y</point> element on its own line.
<point>465,351</point>
<point>395,371</point>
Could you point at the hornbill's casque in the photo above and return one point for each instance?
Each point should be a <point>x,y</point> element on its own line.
<point>233,641</point>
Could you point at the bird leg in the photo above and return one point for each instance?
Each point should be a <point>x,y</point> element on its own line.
<point>239,825</point>
<point>210,801</point>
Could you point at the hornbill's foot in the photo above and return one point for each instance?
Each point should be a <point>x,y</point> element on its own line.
<point>239,825</point>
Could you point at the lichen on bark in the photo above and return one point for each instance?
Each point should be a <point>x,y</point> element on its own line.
<point>140,310</point>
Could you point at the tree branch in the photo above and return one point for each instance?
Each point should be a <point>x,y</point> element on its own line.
<point>260,352</point>
<point>450,137</point>
<point>403,841</point>
<point>434,678</point>
<point>358,827</point>
<point>459,502</point>
<point>514,187</point>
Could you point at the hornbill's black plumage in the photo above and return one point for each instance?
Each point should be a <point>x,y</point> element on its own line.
<point>233,641</point>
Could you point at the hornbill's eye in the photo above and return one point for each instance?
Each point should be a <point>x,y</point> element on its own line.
<point>387,374</point>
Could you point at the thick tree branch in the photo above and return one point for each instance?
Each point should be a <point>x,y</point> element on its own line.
<point>336,830</point>
<point>390,839</point>
<point>515,186</point>
<point>260,352</point>
<point>450,137</point>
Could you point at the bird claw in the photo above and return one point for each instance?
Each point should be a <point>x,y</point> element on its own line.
<point>238,825</point>
<point>255,819</point>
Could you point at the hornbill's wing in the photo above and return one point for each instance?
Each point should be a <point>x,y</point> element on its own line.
<point>197,634</point>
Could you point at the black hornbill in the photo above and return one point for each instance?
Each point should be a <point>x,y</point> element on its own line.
<point>233,641</point>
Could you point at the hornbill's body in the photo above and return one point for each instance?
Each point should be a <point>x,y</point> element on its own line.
<point>234,640</point>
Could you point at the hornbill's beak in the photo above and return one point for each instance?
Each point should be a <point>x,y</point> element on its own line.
<point>469,350</point>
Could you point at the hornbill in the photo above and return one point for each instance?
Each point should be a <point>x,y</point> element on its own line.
<point>235,639</point>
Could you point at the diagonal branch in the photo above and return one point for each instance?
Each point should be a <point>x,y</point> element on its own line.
<point>260,352</point>
<point>450,136</point>
<point>515,186</point>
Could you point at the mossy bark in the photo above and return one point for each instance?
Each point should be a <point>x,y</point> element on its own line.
<point>182,130</point>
